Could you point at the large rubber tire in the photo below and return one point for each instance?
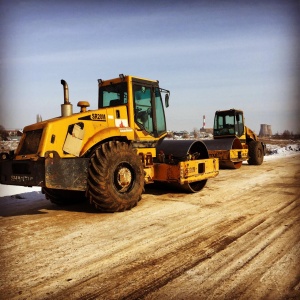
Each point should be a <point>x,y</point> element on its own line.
<point>63,197</point>
<point>256,153</point>
<point>115,177</point>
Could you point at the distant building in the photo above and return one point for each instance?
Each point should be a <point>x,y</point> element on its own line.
<point>265,130</point>
<point>207,130</point>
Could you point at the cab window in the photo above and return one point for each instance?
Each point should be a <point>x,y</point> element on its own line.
<point>143,107</point>
<point>113,95</point>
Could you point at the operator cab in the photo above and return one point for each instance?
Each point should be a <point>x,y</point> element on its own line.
<point>146,102</point>
<point>229,123</point>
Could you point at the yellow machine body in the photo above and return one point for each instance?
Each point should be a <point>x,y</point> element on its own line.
<point>98,125</point>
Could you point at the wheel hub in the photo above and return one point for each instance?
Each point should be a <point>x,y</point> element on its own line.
<point>124,178</point>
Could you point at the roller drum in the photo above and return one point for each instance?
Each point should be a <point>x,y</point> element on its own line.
<point>175,151</point>
<point>225,144</point>
<point>183,150</point>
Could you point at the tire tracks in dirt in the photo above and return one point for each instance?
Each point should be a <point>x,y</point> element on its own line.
<point>231,240</point>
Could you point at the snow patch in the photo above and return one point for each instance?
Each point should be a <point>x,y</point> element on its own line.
<point>275,151</point>
<point>9,190</point>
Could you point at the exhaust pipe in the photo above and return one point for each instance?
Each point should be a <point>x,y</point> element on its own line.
<point>66,91</point>
<point>67,107</point>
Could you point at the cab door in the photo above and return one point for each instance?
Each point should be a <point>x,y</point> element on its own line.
<point>149,113</point>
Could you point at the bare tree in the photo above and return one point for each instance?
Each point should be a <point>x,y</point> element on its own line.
<point>3,133</point>
<point>286,133</point>
<point>196,133</point>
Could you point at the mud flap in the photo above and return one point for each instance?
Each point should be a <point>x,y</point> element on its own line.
<point>66,173</point>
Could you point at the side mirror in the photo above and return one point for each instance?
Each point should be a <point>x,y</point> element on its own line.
<point>238,118</point>
<point>167,96</point>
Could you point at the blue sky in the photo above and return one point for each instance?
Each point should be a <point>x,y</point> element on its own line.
<point>241,54</point>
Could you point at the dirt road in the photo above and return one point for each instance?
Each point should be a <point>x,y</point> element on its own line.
<point>239,238</point>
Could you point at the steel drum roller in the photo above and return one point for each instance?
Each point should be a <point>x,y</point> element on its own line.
<point>225,144</point>
<point>183,150</point>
